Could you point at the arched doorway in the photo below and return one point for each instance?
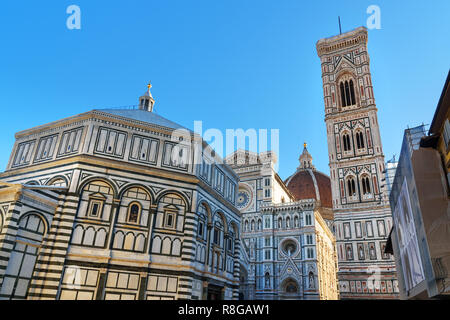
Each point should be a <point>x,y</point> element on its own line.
<point>290,289</point>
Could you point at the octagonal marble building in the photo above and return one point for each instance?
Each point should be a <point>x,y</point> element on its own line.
<point>110,204</point>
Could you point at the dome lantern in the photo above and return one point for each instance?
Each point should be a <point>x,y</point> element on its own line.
<point>146,101</point>
<point>305,159</point>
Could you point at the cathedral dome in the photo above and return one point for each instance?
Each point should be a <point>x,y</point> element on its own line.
<point>308,183</point>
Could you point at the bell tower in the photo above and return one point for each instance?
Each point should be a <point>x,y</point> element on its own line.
<point>360,201</point>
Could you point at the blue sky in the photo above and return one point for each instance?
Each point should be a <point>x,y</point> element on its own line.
<point>232,64</point>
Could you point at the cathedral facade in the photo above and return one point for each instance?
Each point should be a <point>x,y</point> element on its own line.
<point>288,246</point>
<point>107,205</point>
<point>360,202</point>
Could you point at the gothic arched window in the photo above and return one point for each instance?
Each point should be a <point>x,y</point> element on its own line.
<point>360,140</point>
<point>365,185</point>
<point>347,94</point>
<point>346,142</point>
<point>352,92</point>
<point>351,187</point>
<point>342,94</point>
<point>347,90</point>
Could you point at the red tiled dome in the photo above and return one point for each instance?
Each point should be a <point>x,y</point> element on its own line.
<point>305,184</point>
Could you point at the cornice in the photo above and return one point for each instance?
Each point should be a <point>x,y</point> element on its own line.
<point>354,112</point>
<point>349,39</point>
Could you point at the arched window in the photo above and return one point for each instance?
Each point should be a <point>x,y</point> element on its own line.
<point>347,90</point>
<point>346,142</point>
<point>202,213</point>
<point>134,210</point>
<point>296,222</point>
<point>259,225</point>
<point>360,140</point>
<point>347,94</point>
<point>246,225</point>
<point>351,187</point>
<point>352,92</point>
<point>342,94</point>
<point>365,185</point>
<point>280,223</point>
<point>288,222</point>
<point>253,225</point>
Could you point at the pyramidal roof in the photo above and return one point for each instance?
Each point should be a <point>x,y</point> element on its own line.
<point>144,116</point>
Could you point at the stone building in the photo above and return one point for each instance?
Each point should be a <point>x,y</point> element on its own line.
<point>109,204</point>
<point>362,216</point>
<point>288,246</point>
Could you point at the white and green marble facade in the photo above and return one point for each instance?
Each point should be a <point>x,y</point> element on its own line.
<point>85,238</point>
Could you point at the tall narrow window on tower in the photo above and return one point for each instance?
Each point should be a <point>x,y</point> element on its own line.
<point>352,92</point>
<point>365,185</point>
<point>351,187</point>
<point>347,94</point>
<point>342,94</point>
<point>346,142</point>
<point>360,140</point>
<point>348,97</point>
